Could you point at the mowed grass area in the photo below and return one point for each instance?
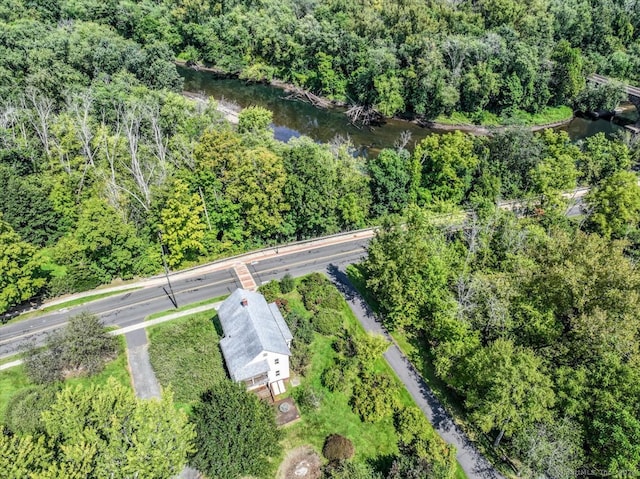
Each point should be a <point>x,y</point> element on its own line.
<point>11,381</point>
<point>14,379</point>
<point>185,356</point>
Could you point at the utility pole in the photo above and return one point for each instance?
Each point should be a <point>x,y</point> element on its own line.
<point>170,293</point>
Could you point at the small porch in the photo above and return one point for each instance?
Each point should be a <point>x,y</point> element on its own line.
<point>255,382</point>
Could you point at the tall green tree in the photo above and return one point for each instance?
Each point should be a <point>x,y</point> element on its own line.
<point>102,432</point>
<point>602,157</point>
<point>568,77</point>
<point>103,244</point>
<point>21,273</point>
<point>409,267</point>
<point>614,205</point>
<point>392,181</point>
<point>448,162</point>
<point>310,189</point>
<point>236,433</point>
<point>508,389</point>
<point>182,225</point>
<point>117,435</point>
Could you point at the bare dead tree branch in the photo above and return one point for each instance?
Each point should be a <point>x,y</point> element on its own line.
<point>41,109</point>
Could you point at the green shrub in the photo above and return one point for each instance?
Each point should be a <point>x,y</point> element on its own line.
<point>300,357</point>
<point>299,326</point>
<point>327,322</point>
<point>308,397</point>
<point>418,440</point>
<point>58,286</point>
<point>22,415</point>
<point>337,448</point>
<point>270,291</point>
<point>287,284</point>
<point>374,397</point>
<point>283,305</point>
<point>318,293</point>
<point>332,379</point>
<point>350,470</point>
<point>410,424</point>
<point>341,376</point>
<point>345,345</point>
<point>369,348</point>
<point>82,348</point>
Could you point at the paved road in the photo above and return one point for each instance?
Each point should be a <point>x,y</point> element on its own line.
<point>472,462</point>
<point>209,281</point>
<point>189,287</point>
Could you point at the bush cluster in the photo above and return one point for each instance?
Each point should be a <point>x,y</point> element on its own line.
<point>318,293</point>
<point>271,291</point>
<point>81,349</point>
<point>337,448</point>
<point>327,322</point>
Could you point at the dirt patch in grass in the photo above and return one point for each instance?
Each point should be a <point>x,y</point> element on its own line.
<point>300,463</point>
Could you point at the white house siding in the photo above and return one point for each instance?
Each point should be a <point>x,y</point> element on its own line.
<point>282,366</point>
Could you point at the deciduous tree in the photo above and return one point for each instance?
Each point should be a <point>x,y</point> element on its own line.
<point>21,274</point>
<point>507,389</point>
<point>236,433</point>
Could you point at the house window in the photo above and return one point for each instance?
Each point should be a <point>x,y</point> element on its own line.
<point>264,355</point>
<point>277,373</point>
<point>276,361</point>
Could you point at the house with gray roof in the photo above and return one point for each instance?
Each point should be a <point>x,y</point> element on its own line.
<point>256,341</point>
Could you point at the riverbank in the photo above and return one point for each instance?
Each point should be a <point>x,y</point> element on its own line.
<point>230,111</point>
<point>434,125</point>
<point>488,130</point>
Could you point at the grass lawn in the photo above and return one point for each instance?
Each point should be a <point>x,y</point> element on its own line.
<point>14,379</point>
<point>185,355</point>
<point>11,381</point>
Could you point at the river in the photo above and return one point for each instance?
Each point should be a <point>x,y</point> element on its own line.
<point>293,118</point>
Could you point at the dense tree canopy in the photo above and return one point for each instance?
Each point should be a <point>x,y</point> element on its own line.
<point>21,274</point>
<point>530,325</point>
<point>236,433</point>
<point>101,432</point>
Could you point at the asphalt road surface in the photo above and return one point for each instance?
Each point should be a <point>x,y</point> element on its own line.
<point>132,307</point>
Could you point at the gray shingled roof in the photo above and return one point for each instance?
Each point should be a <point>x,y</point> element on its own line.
<point>250,330</point>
